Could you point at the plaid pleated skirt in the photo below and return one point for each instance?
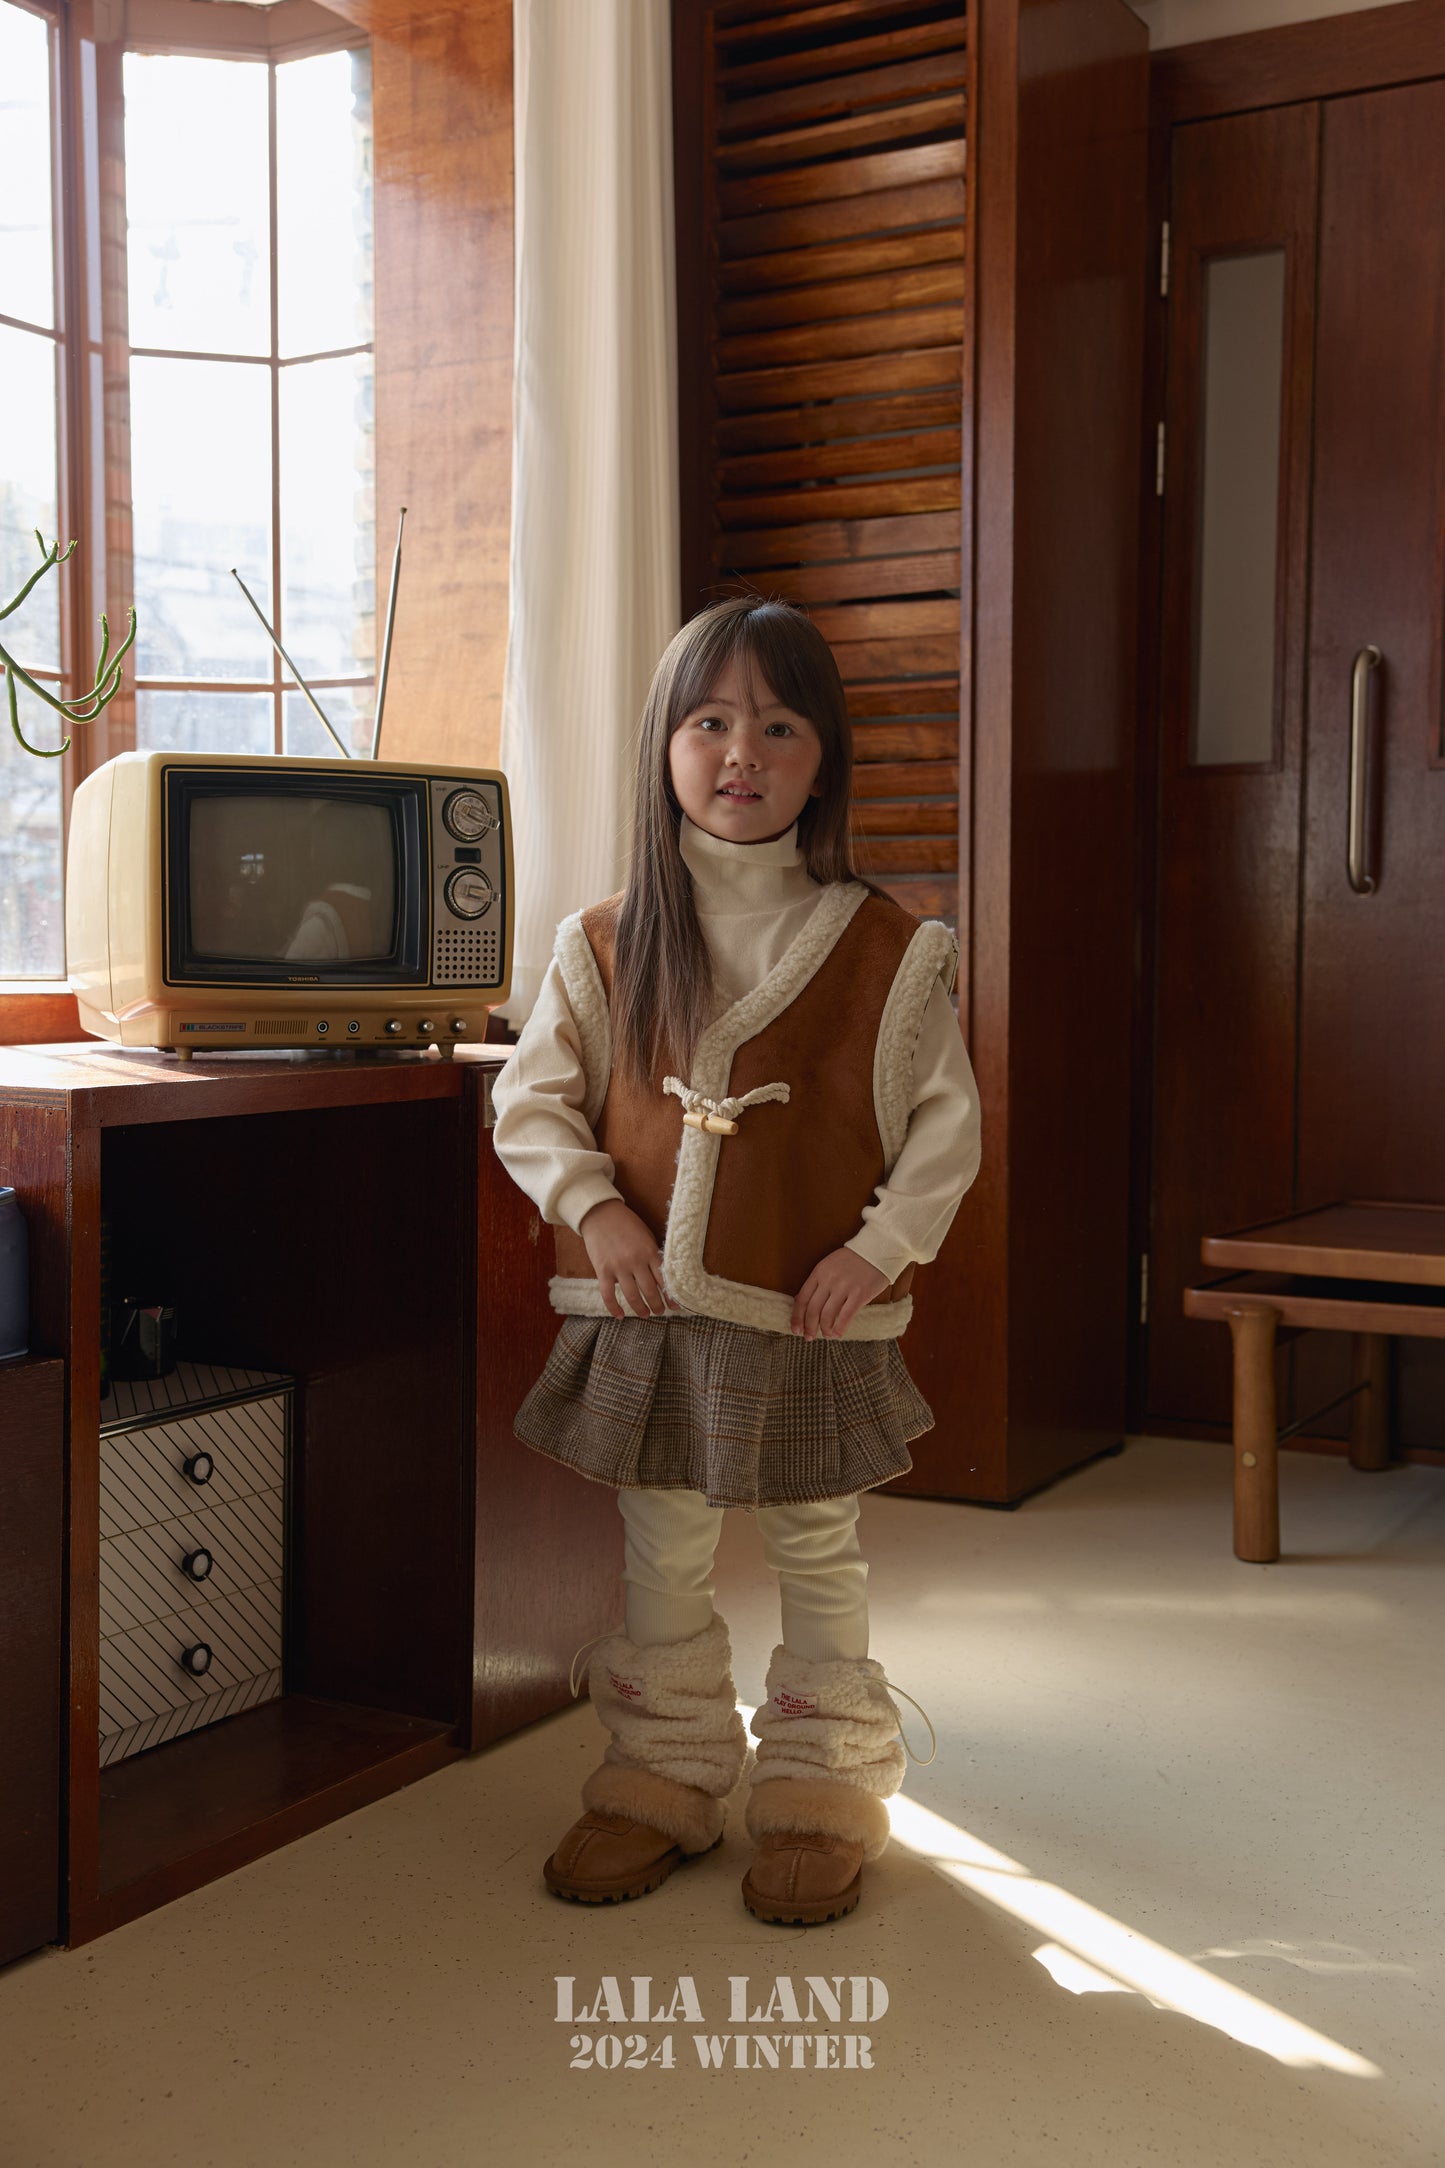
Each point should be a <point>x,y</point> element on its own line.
<point>748,1418</point>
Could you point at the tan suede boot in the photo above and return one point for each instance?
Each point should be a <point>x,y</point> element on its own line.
<point>812,1842</point>
<point>676,1750</point>
<point>636,1828</point>
<point>830,1753</point>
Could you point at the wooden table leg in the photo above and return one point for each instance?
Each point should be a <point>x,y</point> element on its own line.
<point>1370,1410</point>
<point>1256,1455</point>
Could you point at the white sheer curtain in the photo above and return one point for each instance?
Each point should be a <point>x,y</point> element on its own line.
<point>594,553</point>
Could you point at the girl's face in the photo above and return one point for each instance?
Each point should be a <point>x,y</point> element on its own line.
<point>742,771</point>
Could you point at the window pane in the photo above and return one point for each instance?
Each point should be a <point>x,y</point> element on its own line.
<point>27,283</point>
<point>32,915</point>
<point>1236,554</point>
<point>328,546</point>
<point>27,494</point>
<point>350,709</point>
<point>323,201</point>
<point>201,489</point>
<point>197,203</point>
<point>203,722</point>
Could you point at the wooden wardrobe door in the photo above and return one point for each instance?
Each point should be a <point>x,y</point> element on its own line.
<point>1243,194</point>
<point>1372,999</point>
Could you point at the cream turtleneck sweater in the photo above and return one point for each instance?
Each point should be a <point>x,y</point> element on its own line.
<point>752,901</point>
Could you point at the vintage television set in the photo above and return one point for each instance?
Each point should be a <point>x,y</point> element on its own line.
<point>218,901</point>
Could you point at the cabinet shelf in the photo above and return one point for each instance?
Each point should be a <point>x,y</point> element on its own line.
<point>178,1816</point>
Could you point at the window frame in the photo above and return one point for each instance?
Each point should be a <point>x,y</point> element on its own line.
<point>87,48</point>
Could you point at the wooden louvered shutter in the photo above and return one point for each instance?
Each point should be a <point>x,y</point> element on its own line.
<point>821,309</point>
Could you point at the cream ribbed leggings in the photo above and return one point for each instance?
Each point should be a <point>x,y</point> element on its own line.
<point>671,1536</point>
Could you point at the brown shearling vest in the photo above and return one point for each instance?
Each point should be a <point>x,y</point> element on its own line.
<point>743,1219</point>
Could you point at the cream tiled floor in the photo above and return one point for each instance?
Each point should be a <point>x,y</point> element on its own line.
<point>1171,1891</point>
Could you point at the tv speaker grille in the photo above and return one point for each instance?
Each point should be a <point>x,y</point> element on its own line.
<point>466,956</point>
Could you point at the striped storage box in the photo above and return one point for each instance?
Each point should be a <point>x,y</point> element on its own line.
<point>194,1472</point>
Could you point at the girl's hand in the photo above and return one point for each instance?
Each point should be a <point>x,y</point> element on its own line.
<point>625,1255</point>
<point>833,1293</point>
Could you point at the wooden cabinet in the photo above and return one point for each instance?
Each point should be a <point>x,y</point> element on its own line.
<point>1294,1027</point>
<point>343,1222</point>
<point>911,278</point>
<point>32,1527</point>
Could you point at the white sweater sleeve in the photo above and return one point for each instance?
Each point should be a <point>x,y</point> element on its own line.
<point>539,1133</point>
<point>915,1207</point>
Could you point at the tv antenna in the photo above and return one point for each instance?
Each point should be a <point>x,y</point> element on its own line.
<point>386,639</point>
<point>385,653</point>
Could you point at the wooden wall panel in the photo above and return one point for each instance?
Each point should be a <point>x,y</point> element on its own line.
<point>821,310</point>
<point>442,114</point>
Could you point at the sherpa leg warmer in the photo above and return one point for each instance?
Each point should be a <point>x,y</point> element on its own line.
<point>678,1745</point>
<point>830,1750</point>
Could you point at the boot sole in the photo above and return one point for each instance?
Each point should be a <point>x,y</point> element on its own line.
<point>653,1878</point>
<point>783,1912</point>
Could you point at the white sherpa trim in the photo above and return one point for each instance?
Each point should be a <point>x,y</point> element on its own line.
<point>671,1707</point>
<point>814,1808</point>
<point>830,1719</point>
<point>691,1818</point>
<point>583,1298</point>
<point>684,1273</point>
<point>933,951</point>
<point>588,1003</point>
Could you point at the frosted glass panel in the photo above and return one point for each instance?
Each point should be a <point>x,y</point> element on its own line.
<point>197,203</point>
<point>201,488</point>
<point>323,201</point>
<point>350,709</point>
<point>27,495</point>
<point>204,722</point>
<point>1236,553</point>
<point>328,546</point>
<point>32,915</point>
<point>27,283</point>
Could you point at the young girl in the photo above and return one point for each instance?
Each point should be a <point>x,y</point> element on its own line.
<point>743,1103</point>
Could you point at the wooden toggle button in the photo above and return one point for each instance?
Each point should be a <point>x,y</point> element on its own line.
<point>699,1118</point>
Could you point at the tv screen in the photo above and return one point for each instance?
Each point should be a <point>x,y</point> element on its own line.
<point>289,878</point>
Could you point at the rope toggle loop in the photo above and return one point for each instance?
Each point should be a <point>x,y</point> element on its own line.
<point>719,1115</point>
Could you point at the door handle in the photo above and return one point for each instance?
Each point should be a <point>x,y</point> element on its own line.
<point>1361,880</point>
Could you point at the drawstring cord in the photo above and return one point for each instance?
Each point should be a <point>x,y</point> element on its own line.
<point>932,1734</point>
<point>572,1679</point>
<point>720,1114</point>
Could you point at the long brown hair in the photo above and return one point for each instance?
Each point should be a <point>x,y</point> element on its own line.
<point>662,985</point>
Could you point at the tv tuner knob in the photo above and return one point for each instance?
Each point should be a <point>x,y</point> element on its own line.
<point>427,1028</point>
<point>468,816</point>
<point>468,893</point>
<point>196,1659</point>
<point>457,1025</point>
<point>392,1026</point>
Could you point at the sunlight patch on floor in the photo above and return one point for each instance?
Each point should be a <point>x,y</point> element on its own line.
<point>1088,1952</point>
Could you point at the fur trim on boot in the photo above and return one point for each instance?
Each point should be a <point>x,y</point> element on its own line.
<point>832,1720</point>
<point>813,1808</point>
<point>691,1818</point>
<point>671,1707</point>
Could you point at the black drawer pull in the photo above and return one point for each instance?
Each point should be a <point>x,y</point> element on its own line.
<point>200,1467</point>
<point>196,1660</point>
<point>197,1564</point>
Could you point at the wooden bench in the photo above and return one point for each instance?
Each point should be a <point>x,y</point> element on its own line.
<point>1372,1270</point>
